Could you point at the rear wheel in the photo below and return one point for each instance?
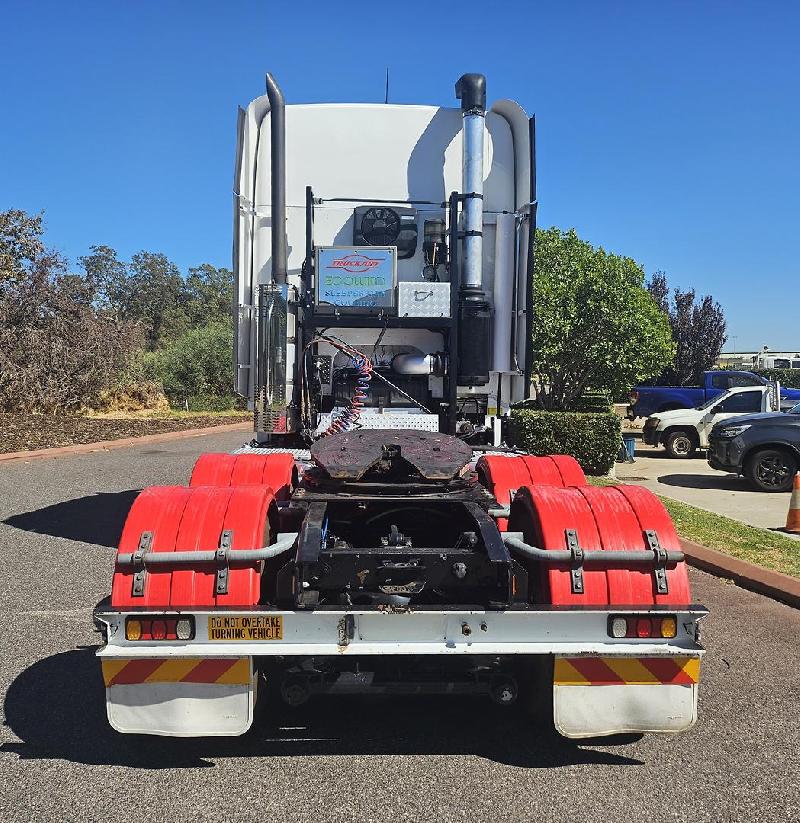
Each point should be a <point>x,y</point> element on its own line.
<point>680,444</point>
<point>772,470</point>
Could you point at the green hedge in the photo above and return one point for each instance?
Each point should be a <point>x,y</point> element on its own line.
<point>592,439</point>
<point>787,377</point>
<point>593,401</point>
<point>196,368</point>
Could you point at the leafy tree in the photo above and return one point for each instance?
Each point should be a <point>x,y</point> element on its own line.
<point>209,294</point>
<point>151,291</point>
<point>21,245</point>
<point>57,351</point>
<point>154,296</point>
<point>109,275</point>
<point>698,331</point>
<point>595,326</point>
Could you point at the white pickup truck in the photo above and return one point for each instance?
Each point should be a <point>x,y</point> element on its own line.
<point>682,431</point>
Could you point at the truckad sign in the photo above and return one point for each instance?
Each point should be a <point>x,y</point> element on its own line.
<point>356,278</point>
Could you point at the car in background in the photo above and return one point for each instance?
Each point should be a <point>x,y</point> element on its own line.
<point>647,400</point>
<point>682,431</point>
<point>764,448</point>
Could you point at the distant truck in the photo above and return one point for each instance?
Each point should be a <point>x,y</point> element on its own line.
<point>647,400</point>
<point>681,431</point>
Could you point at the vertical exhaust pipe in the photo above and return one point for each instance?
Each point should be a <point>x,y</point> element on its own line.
<point>474,310</point>
<point>277,134</point>
<point>273,412</point>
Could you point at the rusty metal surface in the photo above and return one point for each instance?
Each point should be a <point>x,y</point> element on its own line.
<point>350,455</point>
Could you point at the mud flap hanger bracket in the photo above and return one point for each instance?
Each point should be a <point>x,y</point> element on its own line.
<point>137,561</point>
<point>661,558</point>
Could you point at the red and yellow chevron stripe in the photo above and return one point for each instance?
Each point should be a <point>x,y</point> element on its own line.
<point>230,672</point>
<point>613,671</point>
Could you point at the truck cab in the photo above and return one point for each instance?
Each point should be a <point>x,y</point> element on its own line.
<point>682,431</point>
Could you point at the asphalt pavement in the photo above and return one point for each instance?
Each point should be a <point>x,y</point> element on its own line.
<point>354,759</point>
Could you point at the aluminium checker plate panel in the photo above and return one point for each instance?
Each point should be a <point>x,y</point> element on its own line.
<point>421,299</point>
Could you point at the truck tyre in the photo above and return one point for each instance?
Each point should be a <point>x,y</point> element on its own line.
<point>771,470</point>
<point>680,444</point>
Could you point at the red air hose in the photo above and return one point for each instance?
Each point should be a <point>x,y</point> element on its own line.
<point>350,415</point>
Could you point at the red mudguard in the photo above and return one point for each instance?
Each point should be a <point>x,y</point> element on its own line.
<point>276,470</point>
<point>612,518</point>
<point>193,519</point>
<point>500,474</point>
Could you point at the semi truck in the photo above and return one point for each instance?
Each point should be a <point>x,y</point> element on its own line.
<point>376,535</point>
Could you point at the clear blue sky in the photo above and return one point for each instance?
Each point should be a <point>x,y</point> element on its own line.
<point>668,131</point>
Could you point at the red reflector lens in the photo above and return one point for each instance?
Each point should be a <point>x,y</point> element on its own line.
<point>159,630</point>
<point>644,627</point>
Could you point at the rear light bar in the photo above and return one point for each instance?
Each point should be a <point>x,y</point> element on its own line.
<point>154,627</point>
<point>642,626</point>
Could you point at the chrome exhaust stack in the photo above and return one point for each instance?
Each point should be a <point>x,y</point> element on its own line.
<point>474,310</point>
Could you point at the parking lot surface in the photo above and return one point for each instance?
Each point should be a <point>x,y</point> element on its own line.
<point>349,759</point>
<point>693,481</point>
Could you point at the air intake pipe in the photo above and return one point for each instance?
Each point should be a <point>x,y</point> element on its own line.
<point>277,136</point>
<point>474,310</point>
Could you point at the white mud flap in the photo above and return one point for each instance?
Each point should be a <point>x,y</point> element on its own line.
<point>599,696</point>
<point>187,697</point>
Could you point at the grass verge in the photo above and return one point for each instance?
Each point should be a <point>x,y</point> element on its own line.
<point>772,550</point>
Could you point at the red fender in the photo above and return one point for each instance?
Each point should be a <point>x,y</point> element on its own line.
<point>500,474</point>
<point>276,470</point>
<point>651,514</point>
<point>608,519</point>
<point>193,519</point>
<point>542,514</point>
<point>570,470</point>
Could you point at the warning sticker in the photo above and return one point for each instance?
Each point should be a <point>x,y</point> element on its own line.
<point>242,628</point>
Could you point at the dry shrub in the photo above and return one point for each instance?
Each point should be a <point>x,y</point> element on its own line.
<point>58,350</point>
<point>143,396</point>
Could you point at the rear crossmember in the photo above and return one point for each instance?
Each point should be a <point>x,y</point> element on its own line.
<point>386,630</point>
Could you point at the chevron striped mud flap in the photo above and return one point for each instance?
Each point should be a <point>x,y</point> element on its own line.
<point>599,696</point>
<point>180,697</point>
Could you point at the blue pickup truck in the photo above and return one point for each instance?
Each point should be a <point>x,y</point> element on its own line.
<point>647,400</point>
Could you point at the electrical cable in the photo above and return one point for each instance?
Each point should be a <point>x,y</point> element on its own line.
<point>348,418</point>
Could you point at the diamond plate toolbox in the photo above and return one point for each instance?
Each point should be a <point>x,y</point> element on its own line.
<point>423,299</point>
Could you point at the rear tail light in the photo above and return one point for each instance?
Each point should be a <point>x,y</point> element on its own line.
<point>642,626</point>
<point>184,629</point>
<point>159,628</point>
<point>618,627</point>
<point>669,627</point>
